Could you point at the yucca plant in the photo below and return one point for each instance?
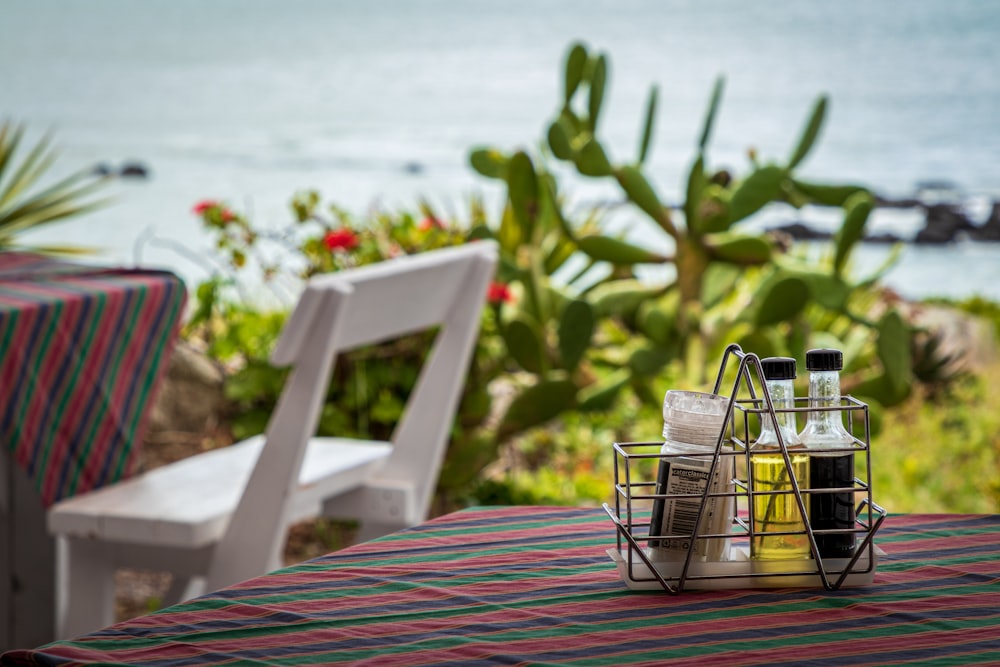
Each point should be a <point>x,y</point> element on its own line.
<point>25,204</point>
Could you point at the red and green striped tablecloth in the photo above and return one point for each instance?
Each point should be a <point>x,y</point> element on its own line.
<point>81,350</point>
<point>534,586</point>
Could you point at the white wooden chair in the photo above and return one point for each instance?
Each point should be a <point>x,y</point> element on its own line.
<point>222,516</point>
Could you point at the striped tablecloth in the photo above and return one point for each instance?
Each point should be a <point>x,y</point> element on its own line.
<point>534,586</point>
<point>81,349</point>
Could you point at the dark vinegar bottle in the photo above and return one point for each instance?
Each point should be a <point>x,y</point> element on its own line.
<point>831,457</point>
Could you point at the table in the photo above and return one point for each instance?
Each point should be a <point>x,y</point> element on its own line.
<point>534,585</point>
<point>81,351</point>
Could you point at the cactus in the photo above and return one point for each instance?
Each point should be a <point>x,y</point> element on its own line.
<point>576,327</point>
<point>553,331</point>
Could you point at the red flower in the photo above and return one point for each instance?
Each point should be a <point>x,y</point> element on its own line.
<point>428,223</point>
<point>204,205</point>
<point>340,239</point>
<point>499,293</point>
<point>213,212</point>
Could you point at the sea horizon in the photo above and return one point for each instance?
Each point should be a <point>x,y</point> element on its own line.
<point>250,101</point>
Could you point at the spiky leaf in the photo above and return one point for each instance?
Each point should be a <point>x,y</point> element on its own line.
<point>602,394</point>
<point>657,320</point>
<point>696,182</point>
<point>827,290</point>
<point>576,63</point>
<point>620,297</point>
<point>466,458</point>
<point>881,390</point>
<point>489,162</point>
<point>559,141</point>
<point>598,80</point>
<point>58,249</point>
<point>509,234</point>
<point>647,128</point>
<point>713,108</point>
<point>826,195</point>
<point>893,348</point>
<point>891,260</point>
<point>641,192</point>
<point>719,281</point>
<point>479,231</point>
<point>762,342</point>
<point>809,133</point>
<point>712,215</point>
<point>760,188</point>
<point>576,327</point>
<point>562,249</point>
<point>571,123</point>
<point>553,197</point>
<point>522,187</point>
<point>35,163</point>
<point>783,301</point>
<point>591,160</point>
<point>648,361</point>
<point>738,248</point>
<point>859,206</point>
<point>536,405</point>
<point>10,137</point>
<point>608,249</point>
<point>22,207</point>
<point>555,297</point>
<point>524,343</point>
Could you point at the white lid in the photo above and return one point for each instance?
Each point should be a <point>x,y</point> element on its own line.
<point>694,416</point>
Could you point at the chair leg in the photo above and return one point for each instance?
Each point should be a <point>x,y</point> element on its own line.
<point>369,530</point>
<point>183,588</point>
<point>86,594</point>
<point>382,507</point>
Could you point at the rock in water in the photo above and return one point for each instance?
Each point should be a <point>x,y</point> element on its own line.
<point>944,223</point>
<point>134,170</point>
<point>101,169</point>
<point>990,230</point>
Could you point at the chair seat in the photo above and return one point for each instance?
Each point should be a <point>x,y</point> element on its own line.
<point>183,504</point>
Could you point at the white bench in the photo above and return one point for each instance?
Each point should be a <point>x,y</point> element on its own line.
<point>222,516</point>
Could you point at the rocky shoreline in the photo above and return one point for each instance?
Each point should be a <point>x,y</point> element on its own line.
<point>943,223</point>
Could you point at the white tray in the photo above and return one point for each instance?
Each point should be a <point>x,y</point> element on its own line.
<point>741,572</point>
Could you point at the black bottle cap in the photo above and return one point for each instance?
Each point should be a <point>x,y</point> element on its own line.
<point>778,368</point>
<point>824,360</point>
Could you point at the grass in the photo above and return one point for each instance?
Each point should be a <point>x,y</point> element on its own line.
<point>941,456</point>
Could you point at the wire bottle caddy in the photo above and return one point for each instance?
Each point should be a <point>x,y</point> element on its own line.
<point>715,511</point>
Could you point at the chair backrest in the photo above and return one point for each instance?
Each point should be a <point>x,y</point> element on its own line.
<point>338,312</point>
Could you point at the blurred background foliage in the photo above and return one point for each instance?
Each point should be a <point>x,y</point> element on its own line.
<point>29,198</point>
<point>579,343</point>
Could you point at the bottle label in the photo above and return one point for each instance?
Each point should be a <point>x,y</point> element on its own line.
<point>678,516</point>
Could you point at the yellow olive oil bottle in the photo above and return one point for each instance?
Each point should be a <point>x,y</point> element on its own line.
<point>779,528</point>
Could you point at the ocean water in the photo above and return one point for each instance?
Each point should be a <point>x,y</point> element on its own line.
<point>379,103</point>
